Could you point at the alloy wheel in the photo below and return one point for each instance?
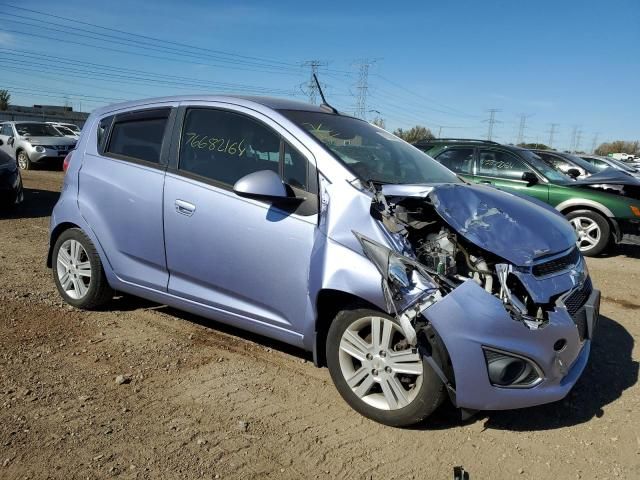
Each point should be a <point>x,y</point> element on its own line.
<point>74,269</point>
<point>378,364</point>
<point>588,232</point>
<point>23,161</point>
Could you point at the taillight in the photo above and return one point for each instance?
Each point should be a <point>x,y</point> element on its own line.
<point>67,161</point>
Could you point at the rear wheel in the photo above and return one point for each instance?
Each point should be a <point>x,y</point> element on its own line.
<point>377,373</point>
<point>592,229</point>
<point>23,161</point>
<point>78,272</point>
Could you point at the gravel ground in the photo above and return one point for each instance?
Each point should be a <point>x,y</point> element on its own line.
<point>141,390</point>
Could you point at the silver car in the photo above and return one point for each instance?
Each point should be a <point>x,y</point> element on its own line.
<point>34,142</point>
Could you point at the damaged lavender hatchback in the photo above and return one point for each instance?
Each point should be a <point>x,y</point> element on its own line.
<point>322,231</point>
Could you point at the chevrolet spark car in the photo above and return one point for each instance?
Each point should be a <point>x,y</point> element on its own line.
<point>322,231</point>
<point>604,208</point>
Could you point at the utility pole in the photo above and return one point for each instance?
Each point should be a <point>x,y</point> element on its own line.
<point>492,121</point>
<point>439,130</point>
<point>362,86</point>
<point>552,132</point>
<point>594,144</point>
<point>312,88</point>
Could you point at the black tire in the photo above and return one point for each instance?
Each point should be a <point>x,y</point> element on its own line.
<point>603,226</point>
<point>431,393</point>
<point>24,163</point>
<point>99,292</point>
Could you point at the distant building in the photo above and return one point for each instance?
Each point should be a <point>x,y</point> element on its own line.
<point>43,113</point>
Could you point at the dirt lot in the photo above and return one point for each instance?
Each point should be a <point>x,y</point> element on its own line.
<point>205,400</point>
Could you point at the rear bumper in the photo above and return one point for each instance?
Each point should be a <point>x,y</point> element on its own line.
<point>469,318</point>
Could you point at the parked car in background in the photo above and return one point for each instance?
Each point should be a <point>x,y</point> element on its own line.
<point>10,180</point>
<point>34,142</point>
<point>67,132</point>
<point>602,163</point>
<point>71,126</point>
<point>328,233</point>
<point>602,207</point>
<point>627,157</point>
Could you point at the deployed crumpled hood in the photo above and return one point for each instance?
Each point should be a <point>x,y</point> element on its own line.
<point>507,225</point>
<point>609,176</point>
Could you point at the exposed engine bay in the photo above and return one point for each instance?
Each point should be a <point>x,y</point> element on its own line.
<point>437,260</point>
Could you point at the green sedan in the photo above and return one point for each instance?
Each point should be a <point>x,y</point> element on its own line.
<point>603,208</point>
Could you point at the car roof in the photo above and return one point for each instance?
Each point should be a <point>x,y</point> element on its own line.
<point>274,103</point>
<point>466,142</point>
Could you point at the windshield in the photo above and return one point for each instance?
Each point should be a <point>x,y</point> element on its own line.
<point>550,173</point>
<point>65,130</point>
<point>621,165</point>
<point>370,152</point>
<point>581,163</point>
<point>37,130</point>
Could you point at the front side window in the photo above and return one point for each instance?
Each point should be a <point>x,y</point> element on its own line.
<point>6,130</point>
<point>501,164</point>
<point>37,130</point>
<point>224,146</point>
<point>138,138</point>
<point>459,160</point>
<point>372,154</point>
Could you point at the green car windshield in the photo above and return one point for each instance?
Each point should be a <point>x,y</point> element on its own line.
<point>551,174</point>
<point>371,153</point>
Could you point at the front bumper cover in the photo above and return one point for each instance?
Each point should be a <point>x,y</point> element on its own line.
<point>469,318</point>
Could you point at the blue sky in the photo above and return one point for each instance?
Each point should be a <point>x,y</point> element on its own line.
<point>440,64</point>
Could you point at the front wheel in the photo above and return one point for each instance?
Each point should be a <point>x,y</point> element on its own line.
<point>78,272</point>
<point>592,229</point>
<point>23,161</point>
<point>377,373</point>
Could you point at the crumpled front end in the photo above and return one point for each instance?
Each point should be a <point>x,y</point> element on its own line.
<point>516,318</point>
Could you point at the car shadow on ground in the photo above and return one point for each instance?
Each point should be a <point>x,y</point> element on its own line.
<point>630,251</point>
<point>610,371</point>
<point>37,204</point>
<point>125,303</point>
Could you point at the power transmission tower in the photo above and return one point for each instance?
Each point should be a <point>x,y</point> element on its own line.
<point>578,139</point>
<point>362,87</point>
<point>523,125</point>
<point>492,121</point>
<point>552,132</point>
<point>594,144</point>
<point>573,138</point>
<point>312,88</point>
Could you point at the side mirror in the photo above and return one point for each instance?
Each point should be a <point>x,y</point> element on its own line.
<point>10,141</point>
<point>573,173</point>
<point>1,142</point>
<point>263,184</point>
<point>530,178</point>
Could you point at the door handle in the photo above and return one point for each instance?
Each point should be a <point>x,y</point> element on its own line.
<point>185,208</point>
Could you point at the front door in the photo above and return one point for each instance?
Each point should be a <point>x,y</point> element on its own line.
<point>6,132</point>
<point>504,170</point>
<point>246,259</point>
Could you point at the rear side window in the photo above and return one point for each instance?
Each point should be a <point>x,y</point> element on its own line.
<point>459,160</point>
<point>138,135</point>
<point>225,146</point>
<point>501,164</point>
<point>103,130</point>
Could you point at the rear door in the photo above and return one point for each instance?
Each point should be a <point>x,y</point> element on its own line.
<point>244,258</point>
<point>459,160</point>
<point>504,170</point>
<point>120,191</point>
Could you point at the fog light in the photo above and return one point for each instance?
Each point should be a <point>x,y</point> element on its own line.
<point>510,370</point>
<point>39,149</point>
